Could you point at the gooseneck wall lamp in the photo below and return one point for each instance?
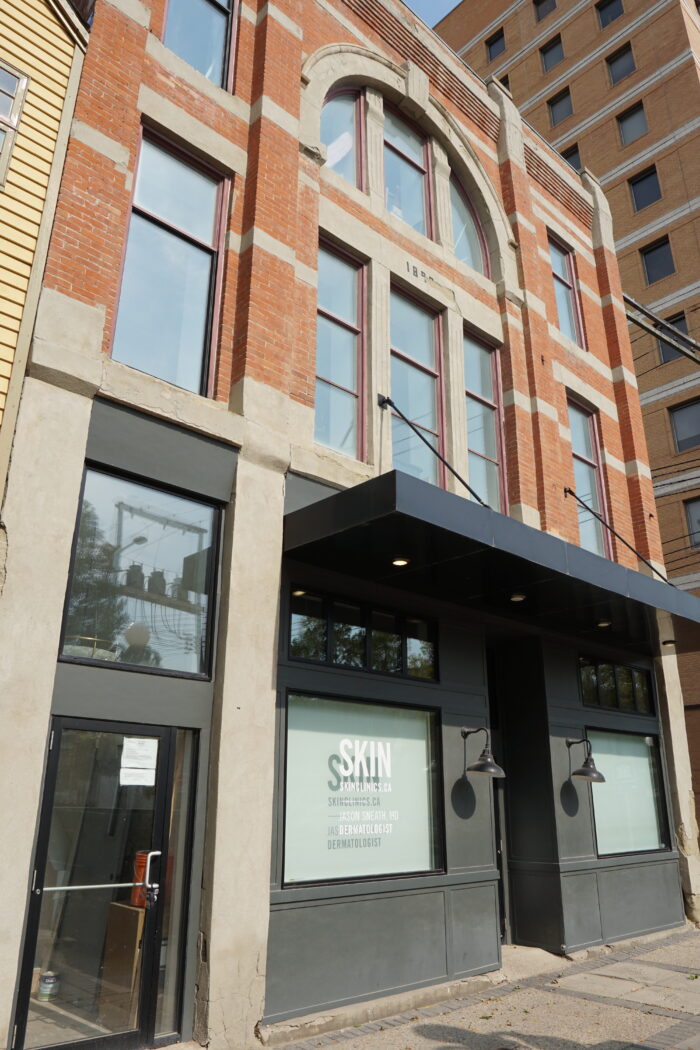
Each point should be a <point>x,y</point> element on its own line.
<point>485,762</point>
<point>588,770</point>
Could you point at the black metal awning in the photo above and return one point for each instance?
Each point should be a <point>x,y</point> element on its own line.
<point>460,552</point>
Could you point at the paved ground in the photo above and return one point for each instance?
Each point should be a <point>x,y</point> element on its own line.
<point>638,998</point>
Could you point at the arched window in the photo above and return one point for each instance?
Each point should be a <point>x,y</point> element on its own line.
<point>469,243</point>
<point>341,134</point>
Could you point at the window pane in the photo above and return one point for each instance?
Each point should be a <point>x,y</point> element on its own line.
<point>2,136</point>
<point>308,628</point>
<point>403,188</point>
<point>420,650</point>
<point>621,64</point>
<point>336,353</point>
<point>572,156</point>
<point>629,806</point>
<point>608,11</point>
<point>566,314</point>
<point>336,419</point>
<point>560,107</point>
<point>642,691</point>
<point>163,309</point>
<point>6,103</point>
<point>581,437</point>
<point>495,45</point>
<point>467,242</point>
<point>589,682</point>
<point>686,425</point>
<point>139,591</point>
<point>196,30</point>
<point>560,264</point>
<point>410,454</point>
<point>590,529</point>
<point>665,349</point>
<point>9,83</point>
<point>483,478</point>
<point>552,54</point>
<point>632,124</point>
<point>414,392</point>
<point>412,331</point>
<point>337,286</point>
<point>645,189</point>
<point>658,261</point>
<point>478,369</point>
<point>338,134</point>
<point>625,688</point>
<point>361,790</point>
<point>481,429</point>
<point>607,689</point>
<point>386,643</point>
<point>544,7</point>
<point>181,195</point>
<point>404,138</point>
<point>349,635</point>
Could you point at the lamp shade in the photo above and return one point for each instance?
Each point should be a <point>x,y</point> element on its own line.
<point>588,771</point>
<point>485,764</point>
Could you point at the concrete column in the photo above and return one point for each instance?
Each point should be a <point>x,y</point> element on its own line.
<point>236,891</point>
<point>374,125</point>
<point>38,515</point>
<point>678,762</point>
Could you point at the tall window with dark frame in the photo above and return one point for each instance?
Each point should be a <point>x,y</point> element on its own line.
<point>632,124</point>
<point>199,31</point>
<point>620,64</point>
<point>658,260</point>
<point>484,432</point>
<point>560,107</point>
<point>587,478</point>
<point>645,188</point>
<point>495,45</point>
<point>468,236</point>
<point>342,134</point>
<point>685,421</point>
<point>339,354</point>
<point>692,514</point>
<point>141,583</point>
<point>666,351</point>
<point>165,319</point>
<point>415,387</point>
<point>563,275</point>
<point>406,173</point>
<point>543,8</point>
<point>552,53</point>
<point>608,11</point>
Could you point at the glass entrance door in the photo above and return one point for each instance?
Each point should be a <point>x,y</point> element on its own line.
<point>104,948</point>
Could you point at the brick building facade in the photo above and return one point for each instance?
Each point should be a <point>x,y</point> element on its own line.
<point>614,87</point>
<point>246,582</point>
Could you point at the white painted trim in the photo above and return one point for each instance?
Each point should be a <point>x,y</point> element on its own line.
<point>678,483</point>
<point>641,158</point>
<point>676,388</point>
<point>674,298</point>
<point>659,224</point>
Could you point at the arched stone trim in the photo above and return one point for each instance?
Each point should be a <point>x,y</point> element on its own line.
<point>341,65</point>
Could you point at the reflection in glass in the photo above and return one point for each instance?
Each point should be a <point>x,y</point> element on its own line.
<point>410,454</point>
<point>339,135</point>
<point>349,635</point>
<point>87,961</point>
<point>335,424</point>
<point>386,643</point>
<point>625,688</point>
<point>196,30</point>
<point>139,591</point>
<point>420,650</point>
<point>642,691</point>
<point>404,172</point>
<point>484,479</point>
<point>181,195</point>
<point>606,685</point>
<point>467,242</point>
<point>308,628</point>
<point>337,364</point>
<point>589,682</point>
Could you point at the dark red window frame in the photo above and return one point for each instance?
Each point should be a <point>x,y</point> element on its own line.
<point>497,406</point>
<point>597,464</point>
<point>230,9</point>
<point>360,131</point>
<point>485,254</point>
<point>426,169</point>
<point>571,286</point>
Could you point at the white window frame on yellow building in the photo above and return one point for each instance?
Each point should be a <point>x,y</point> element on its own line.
<point>10,124</point>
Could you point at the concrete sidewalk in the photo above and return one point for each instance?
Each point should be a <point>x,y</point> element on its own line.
<point>636,996</point>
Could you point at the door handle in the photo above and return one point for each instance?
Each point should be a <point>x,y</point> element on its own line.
<point>151,888</point>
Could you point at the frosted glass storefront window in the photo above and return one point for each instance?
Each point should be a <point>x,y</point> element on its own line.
<point>361,796</point>
<point>629,807</point>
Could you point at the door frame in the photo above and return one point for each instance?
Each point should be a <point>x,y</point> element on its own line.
<point>144,1035</point>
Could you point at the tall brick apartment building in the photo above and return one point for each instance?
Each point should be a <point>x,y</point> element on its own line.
<point>614,87</point>
<point>258,620</point>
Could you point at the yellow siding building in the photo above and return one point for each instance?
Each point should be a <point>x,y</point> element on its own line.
<point>42,43</point>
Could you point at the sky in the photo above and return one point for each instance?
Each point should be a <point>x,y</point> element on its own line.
<point>431,11</point>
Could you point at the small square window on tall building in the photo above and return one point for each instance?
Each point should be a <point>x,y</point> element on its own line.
<point>543,8</point>
<point>552,53</point>
<point>495,45</point>
<point>632,123</point>
<point>572,156</point>
<point>645,188</point>
<point>608,11</point>
<point>666,351</point>
<point>560,107</point>
<point>658,260</point>
<point>620,64</point>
